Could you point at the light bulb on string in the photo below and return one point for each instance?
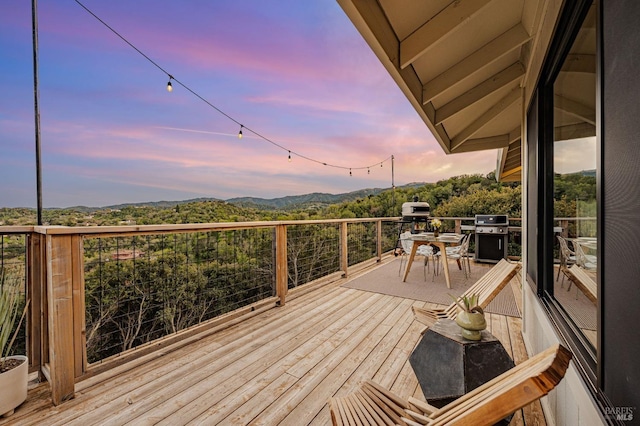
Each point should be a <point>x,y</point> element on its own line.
<point>255,134</point>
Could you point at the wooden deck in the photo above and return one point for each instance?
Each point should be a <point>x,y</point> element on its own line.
<point>279,367</point>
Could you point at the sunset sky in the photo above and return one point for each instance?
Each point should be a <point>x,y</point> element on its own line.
<point>295,72</point>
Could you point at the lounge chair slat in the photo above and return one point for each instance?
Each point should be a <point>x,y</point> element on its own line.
<point>410,422</point>
<point>371,410</point>
<point>360,416</point>
<point>423,406</point>
<point>417,417</point>
<point>393,411</point>
<point>387,393</point>
<point>337,411</point>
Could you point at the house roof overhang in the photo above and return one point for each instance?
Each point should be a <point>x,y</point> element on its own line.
<point>468,67</point>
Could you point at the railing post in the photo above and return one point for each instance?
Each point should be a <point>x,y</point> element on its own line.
<point>379,239</point>
<point>282,273</point>
<point>65,307</point>
<point>35,291</point>
<point>344,249</point>
<point>458,225</point>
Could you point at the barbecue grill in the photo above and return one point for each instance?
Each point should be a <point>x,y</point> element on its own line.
<point>492,237</point>
<point>415,211</point>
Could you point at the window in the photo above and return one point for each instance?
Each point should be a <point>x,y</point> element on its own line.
<point>574,168</point>
<point>562,188</point>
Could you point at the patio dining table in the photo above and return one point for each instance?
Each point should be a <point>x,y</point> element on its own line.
<point>441,242</point>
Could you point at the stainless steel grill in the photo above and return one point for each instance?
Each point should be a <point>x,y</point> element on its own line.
<point>413,213</point>
<point>416,211</point>
<point>492,237</point>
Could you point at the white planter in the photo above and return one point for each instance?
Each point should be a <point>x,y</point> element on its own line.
<point>13,387</point>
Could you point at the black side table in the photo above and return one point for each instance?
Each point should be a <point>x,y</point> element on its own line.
<point>448,366</point>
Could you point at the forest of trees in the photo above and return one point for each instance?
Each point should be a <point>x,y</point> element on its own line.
<point>175,281</point>
<point>459,196</point>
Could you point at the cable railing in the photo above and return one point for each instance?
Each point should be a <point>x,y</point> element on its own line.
<point>313,251</point>
<point>101,296</point>
<point>362,243</point>
<point>142,288</point>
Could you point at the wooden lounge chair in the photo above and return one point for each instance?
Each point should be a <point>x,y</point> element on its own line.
<point>371,404</point>
<point>584,282</point>
<point>487,287</point>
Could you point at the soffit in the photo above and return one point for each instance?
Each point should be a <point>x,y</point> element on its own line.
<point>462,64</point>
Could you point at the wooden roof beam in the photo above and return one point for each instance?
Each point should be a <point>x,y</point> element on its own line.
<point>515,136</point>
<point>580,63</point>
<point>512,163</point>
<point>508,141</point>
<point>373,25</point>
<point>575,109</point>
<point>509,157</point>
<point>496,82</point>
<point>484,119</point>
<point>481,144</point>
<point>511,175</point>
<point>434,30</point>
<point>574,131</point>
<point>481,58</point>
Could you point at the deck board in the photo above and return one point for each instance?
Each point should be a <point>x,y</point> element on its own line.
<point>278,367</point>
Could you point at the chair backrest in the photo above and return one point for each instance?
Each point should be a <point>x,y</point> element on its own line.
<point>565,251</point>
<point>487,404</point>
<point>488,286</point>
<point>464,250</point>
<point>406,242</point>
<point>517,387</point>
<point>582,259</point>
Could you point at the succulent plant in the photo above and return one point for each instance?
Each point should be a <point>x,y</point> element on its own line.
<point>9,310</point>
<point>468,303</point>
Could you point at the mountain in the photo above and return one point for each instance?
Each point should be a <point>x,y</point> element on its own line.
<point>315,199</point>
<point>290,202</point>
<point>161,204</point>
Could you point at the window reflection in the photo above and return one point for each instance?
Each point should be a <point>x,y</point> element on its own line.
<point>574,166</point>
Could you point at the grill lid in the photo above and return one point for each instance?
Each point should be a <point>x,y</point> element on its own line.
<point>415,209</point>
<point>492,220</point>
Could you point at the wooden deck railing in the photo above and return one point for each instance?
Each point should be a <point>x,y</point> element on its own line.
<point>56,266</point>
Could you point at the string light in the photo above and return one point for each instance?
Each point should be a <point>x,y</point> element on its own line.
<point>170,88</point>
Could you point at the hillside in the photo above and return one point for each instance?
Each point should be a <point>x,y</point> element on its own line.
<point>290,202</point>
<point>314,200</point>
<point>460,196</point>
